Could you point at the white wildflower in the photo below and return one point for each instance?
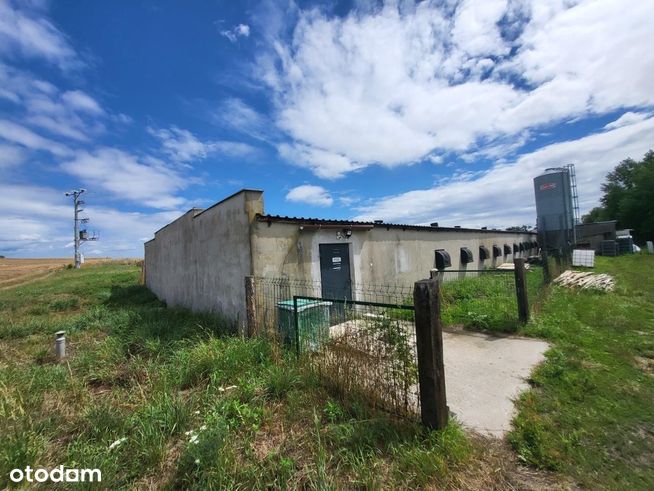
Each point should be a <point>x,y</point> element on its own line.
<point>197,461</point>
<point>117,443</point>
<point>196,412</point>
<point>203,427</point>
<point>194,439</point>
<point>223,389</point>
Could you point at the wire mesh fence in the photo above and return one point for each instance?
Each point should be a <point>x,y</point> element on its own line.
<point>485,299</point>
<point>481,299</point>
<point>272,294</point>
<point>365,346</point>
<point>477,299</point>
<point>536,282</point>
<point>554,263</point>
<point>359,349</point>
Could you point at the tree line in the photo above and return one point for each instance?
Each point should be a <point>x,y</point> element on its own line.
<point>628,197</point>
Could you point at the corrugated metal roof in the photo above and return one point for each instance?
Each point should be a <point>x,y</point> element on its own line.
<point>354,223</point>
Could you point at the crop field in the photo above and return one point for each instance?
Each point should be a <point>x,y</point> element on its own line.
<point>18,271</point>
<point>161,398</point>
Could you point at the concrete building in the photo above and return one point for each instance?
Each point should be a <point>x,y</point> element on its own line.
<point>591,235</point>
<point>200,260</point>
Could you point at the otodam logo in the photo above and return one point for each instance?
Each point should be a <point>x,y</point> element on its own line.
<point>547,185</point>
<point>57,474</point>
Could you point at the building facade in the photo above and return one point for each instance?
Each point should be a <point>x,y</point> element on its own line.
<point>200,260</point>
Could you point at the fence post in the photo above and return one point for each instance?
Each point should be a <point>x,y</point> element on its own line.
<point>429,345</point>
<point>547,275</point>
<point>142,276</point>
<point>521,290</point>
<point>296,327</point>
<point>250,307</point>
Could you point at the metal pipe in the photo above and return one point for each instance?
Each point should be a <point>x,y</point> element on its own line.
<point>60,345</point>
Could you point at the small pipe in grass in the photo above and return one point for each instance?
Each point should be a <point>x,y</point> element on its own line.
<point>60,345</point>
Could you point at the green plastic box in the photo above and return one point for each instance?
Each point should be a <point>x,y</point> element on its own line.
<point>313,322</point>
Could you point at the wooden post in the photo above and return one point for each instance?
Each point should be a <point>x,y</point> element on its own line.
<point>521,290</point>
<point>429,345</point>
<point>547,275</point>
<point>252,327</point>
<point>142,277</point>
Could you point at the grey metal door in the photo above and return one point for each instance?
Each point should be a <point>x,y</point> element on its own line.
<point>335,271</point>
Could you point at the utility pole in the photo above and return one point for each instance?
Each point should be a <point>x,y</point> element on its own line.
<point>79,235</point>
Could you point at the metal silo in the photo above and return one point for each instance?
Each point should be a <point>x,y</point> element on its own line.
<point>554,209</point>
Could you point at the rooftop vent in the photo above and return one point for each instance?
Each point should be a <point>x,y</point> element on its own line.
<point>457,226</point>
<point>484,228</point>
<point>433,224</point>
<point>442,259</point>
<point>379,221</point>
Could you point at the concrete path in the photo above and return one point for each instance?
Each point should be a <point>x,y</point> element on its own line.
<point>483,376</point>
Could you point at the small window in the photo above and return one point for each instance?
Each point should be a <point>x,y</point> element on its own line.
<point>442,259</point>
<point>466,255</point>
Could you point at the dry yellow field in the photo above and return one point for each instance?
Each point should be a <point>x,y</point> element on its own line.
<point>15,272</point>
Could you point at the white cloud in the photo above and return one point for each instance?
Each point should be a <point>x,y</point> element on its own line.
<point>627,119</point>
<point>232,149</point>
<point>240,30</point>
<point>29,219</point>
<point>182,146</point>
<point>394,85</point>
<point>503,195</point>
<point>82,101</point>
<point>11,156</point>
<point>73,114</point>
<point>142,180</point>
<point>310,195</point>
<point>34,36</point>
<point>16,230</point>
<point>324,164</point>
<point>23,136</point>
<point>475,28</point>
<point>236,114</point>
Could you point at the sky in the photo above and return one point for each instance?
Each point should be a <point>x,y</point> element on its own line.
<point>409,112</point>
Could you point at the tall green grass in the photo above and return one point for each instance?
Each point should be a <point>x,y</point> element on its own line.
<point>164,398</point>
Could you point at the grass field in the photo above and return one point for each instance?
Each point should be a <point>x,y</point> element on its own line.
<point>198,407</point>
<point>194,406</point>
<point>590,414</point>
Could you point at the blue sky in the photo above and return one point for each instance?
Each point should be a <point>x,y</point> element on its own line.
<point>408,112</point>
